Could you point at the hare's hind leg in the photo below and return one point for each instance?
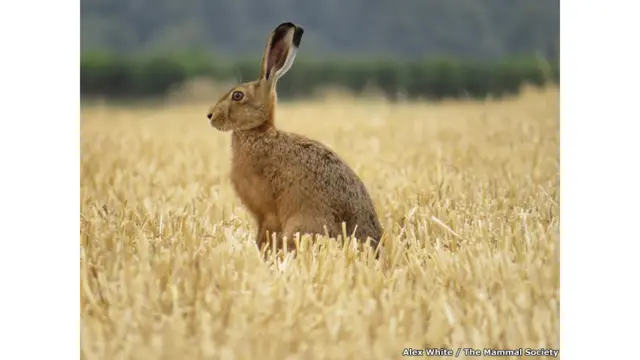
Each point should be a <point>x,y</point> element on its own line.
<point>267,225</point>
<point>305,224</point>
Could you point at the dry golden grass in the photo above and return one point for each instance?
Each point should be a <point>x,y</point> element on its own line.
<point>468,193</point>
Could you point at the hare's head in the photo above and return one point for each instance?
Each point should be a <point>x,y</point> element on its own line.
<point>251,105</point>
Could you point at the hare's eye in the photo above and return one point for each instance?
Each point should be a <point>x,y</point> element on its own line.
<point>237,95</point>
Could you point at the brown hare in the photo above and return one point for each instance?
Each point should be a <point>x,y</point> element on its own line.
<point>289,183</point>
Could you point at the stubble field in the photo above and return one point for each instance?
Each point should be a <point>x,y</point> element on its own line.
<point>467,192</point>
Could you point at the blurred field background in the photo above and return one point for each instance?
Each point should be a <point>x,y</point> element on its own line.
<point>424,49</point>
<point>448,111</point>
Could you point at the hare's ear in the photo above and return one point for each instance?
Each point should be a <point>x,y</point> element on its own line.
<point>280,51</point>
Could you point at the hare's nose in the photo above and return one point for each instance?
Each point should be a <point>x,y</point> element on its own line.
<point>210,115</point>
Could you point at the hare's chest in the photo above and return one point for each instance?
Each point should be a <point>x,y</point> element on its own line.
<point>253,189</point>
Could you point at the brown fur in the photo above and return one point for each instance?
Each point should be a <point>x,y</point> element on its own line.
<point>288,182</point>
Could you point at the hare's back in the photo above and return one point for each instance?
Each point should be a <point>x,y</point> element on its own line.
<point>316,163</point>
<point>315,172</point>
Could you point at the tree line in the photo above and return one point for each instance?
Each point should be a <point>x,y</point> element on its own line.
<point>120,76</point>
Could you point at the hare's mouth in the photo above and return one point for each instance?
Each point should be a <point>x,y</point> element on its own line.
<point>220,125</point>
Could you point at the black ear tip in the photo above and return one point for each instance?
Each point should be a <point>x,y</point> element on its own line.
<point>285,26</point>
<point>297,36</point>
